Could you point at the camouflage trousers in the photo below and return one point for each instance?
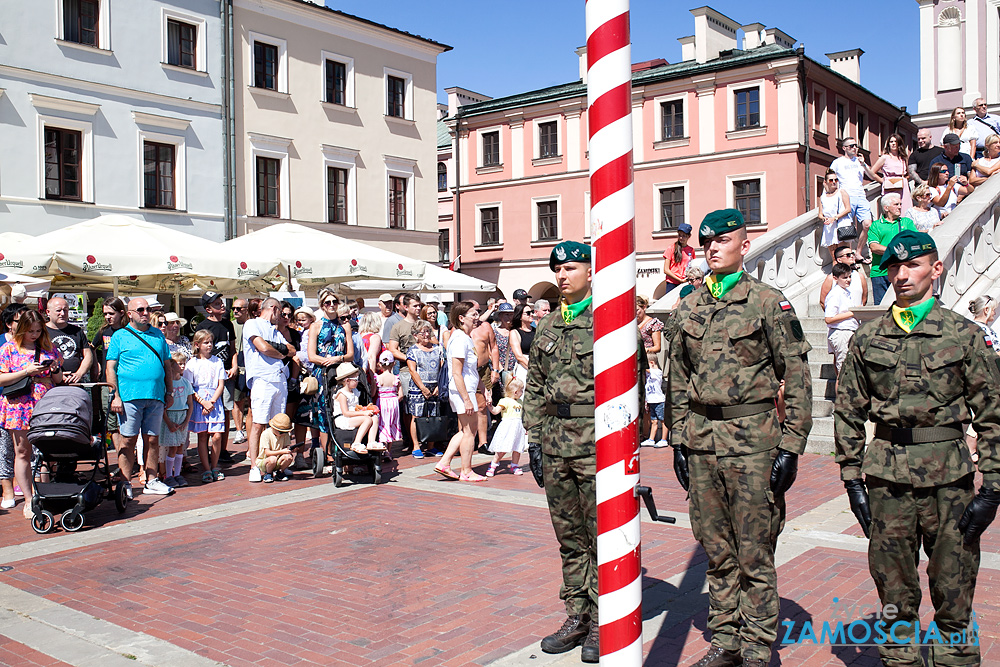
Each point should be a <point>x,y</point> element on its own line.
<point>737,520</point>
<point>903,518</point>
<point>571,493</point>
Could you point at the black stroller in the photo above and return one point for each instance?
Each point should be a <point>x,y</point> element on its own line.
<point>64,431</point>
<point>335,448</point>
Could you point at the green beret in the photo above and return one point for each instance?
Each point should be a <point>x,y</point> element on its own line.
<point>720,222</point>
<point>569,251</point>
<point>905,246</point>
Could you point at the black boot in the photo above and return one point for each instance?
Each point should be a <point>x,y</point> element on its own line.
<point>591,651</point>
<point>572,633</point>
<point>720,657</point>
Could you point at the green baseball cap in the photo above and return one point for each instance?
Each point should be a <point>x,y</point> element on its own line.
<point>719,222</point>
<point>905,246</point>
<point>569,251</point>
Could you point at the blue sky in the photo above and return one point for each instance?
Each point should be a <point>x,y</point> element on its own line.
<point>512,46</point>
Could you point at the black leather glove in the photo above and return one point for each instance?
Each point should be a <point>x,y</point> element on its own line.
<point>784,470</point>
<point>535,463</point>
<point>280,347</point>
<point>681,466</point>
<point>858,495</point>
<point>979,514</point>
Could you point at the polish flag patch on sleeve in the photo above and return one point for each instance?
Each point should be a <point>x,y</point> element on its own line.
<point>784,305</point>
<point>989,341</point>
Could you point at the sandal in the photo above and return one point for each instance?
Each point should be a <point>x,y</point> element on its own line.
<point>218,474</point>
<point>492,470</point>
<point>207,477</point>
<point>376,447</point>
<point>446,472</point>
<point>358,448</point>
<point>473,477</point>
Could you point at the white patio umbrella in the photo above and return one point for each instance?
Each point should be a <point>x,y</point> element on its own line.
<point>436,279</point>
<point>115,250</point>
<point>313,257</point>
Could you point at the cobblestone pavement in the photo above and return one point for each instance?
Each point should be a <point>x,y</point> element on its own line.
<point>417,570</point>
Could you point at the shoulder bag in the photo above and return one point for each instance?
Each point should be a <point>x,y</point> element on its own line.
<point>24,386</point>
<point>434,429</point>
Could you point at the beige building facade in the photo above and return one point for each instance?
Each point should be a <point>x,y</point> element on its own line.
<point>335,125</point>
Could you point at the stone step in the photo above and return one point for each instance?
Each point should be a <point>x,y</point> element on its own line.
<point>822,426</point>
<point>820,444</point>
<point>822,407</point>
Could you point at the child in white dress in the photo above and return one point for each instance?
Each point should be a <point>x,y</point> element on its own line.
<point>510,435</point>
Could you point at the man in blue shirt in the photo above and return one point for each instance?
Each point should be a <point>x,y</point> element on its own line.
<point>137,369</point>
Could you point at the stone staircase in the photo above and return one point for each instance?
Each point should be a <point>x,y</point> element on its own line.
<point>824,377</point>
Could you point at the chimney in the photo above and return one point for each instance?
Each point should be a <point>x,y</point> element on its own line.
<point>752,35</point>
<point>458,97</point>
<point>847,63</point>
<point>581,53</point>
<point>687,47</point>
<point>775,36</point>
<point>713,33</point>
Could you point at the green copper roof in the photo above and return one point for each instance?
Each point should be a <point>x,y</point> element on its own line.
<point>444,139</point>
<point>734,58</point>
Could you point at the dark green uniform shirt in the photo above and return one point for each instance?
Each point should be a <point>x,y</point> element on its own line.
<point>734,350</point>
<point>942,373</point>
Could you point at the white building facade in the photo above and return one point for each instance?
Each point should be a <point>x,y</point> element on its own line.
<point>336,125</point>
<point>112,107</point>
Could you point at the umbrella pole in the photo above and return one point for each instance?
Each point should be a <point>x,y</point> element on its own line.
<point>114,281</point>
<point>177,299</point>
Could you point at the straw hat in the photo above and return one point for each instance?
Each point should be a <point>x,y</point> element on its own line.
<point>346,370</point>
<point>305,310</point>
<point>281,423</point>
<point>174,317</point>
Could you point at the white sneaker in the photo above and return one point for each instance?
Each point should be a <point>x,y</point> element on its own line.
<point>255,475</point>
<point>662,443</point>
<point>648,442</point>
<point>239,437</point>
<point>157,488</point>
<point>8,504</point>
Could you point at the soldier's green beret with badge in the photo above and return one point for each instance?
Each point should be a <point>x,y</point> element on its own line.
<point>719,222</point>
<point>569,251</point>
<point>907,245</point>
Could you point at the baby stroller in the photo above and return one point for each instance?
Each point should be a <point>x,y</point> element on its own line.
<point>64,431</point>
<point>341,453</point>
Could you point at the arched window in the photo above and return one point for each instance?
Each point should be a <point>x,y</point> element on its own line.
<point>442,177</point>
<point>949,50</point>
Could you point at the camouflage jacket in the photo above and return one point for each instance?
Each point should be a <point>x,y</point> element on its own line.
<point>735,350</point>
<point>942,373</point>
<point>561,370</point>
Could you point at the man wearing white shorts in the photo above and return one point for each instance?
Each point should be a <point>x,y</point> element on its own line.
<point>851,172</point>
<point>264,348</point>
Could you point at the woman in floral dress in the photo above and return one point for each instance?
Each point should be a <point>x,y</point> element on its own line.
<point>330,344</point>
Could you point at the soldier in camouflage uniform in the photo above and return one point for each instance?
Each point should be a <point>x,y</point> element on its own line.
<point>737,340</point>
<point>921,374</point>
<point>559,415</point>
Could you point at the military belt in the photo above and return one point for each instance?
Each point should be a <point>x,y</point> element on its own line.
<point>721,412</point>
<point>565,410</point>
<point>918,436</point>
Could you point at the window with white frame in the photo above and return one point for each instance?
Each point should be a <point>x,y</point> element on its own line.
<point>444,245</point>
<point>547,138</point>
<point>163,160</point>
<point>399,192</point>
<point>442,177</point>
<point>338,79</point>
<point>269,164</point>
<point>490,150</point>
<point>671,207</point>
<point>488,229</point>
<point>268,61</point>
<point>672,119</point>
<point>398,94</point>
<point>862,129</point>
<point>65,149</point>
<point>746,197</point>
<point>745,107</point>
<point>842,118</point>
<point>341,184</point>
<point>84,22</point>
<point>819,109</point>
<point>546,225</point>
<point>184,38</point>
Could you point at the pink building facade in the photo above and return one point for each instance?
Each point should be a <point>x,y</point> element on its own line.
<point>752,125</point>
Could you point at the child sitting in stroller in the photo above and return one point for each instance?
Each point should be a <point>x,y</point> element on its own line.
<point>347,415</point>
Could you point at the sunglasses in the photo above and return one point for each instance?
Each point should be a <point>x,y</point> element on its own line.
<point>333,302</point>
<point>142,310</point>
<point>850,145</point>
<point>239,307</point>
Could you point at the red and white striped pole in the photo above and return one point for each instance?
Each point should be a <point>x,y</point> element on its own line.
<point>612,214</point>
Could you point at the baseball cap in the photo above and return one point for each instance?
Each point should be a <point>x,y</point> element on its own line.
<point>520,294</point>
<point>505,308</point>
<point>385,297</point>
<point>386,357</point>
<point>208,297</point>
<point>951,138</point>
